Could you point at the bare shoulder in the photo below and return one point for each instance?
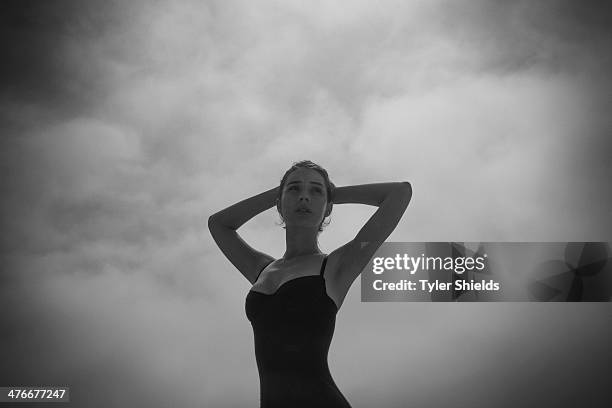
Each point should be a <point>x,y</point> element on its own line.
<point>344,265</point>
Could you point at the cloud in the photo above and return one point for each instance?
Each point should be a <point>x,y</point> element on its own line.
<point>126,125</point>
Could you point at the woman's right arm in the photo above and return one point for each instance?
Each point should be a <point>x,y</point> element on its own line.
<point>223,228</point>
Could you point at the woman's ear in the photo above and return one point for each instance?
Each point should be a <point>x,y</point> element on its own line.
<point>328,209</point>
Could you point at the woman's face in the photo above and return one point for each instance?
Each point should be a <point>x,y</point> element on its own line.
<point>304,198</point>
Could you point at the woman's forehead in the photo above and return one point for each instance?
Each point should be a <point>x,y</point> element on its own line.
<point>305,175</point>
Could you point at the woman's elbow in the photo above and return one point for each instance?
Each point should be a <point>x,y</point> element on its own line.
<point>406,188</point>
<point>212,222</point>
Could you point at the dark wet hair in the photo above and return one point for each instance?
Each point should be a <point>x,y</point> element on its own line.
<point>329,186</point>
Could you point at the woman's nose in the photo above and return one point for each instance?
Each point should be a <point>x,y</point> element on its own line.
<point>304,198</point>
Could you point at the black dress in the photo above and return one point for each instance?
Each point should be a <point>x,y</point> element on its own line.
<point>293,328</point>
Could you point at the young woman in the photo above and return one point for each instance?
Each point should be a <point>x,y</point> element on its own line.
<point>294,300</point>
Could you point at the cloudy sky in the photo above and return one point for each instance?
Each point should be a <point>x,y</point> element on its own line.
<point>124,126</point>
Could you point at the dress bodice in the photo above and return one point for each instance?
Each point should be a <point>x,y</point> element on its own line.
<point>293,329</point>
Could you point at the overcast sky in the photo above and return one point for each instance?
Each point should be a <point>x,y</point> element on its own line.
<point>124,126</point>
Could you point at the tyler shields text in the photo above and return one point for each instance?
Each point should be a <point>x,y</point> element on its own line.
<point>425,285</point>
<point>413,264</point>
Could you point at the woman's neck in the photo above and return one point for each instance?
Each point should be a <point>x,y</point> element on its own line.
<point>300,242</point>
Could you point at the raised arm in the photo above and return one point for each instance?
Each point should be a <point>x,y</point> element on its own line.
<point>391,200</point>
<point>223,228</point>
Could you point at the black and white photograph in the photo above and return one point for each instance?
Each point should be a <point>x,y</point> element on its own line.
<point>193,189</point>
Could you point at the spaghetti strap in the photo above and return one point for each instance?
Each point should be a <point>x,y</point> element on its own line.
<point>262,269</point>
<point>323,266</point>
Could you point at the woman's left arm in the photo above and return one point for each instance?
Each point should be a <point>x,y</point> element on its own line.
<point>372,194</point>
<point>391,200</point>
